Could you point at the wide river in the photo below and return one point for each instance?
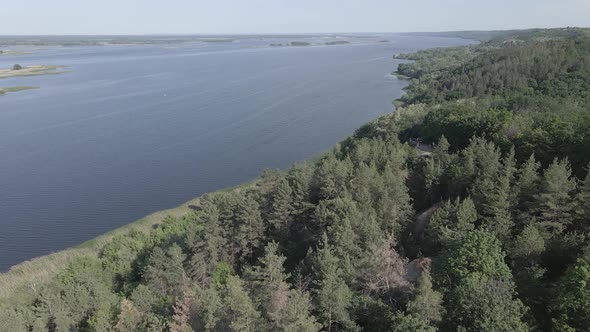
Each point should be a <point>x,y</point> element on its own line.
<point>132,129</point>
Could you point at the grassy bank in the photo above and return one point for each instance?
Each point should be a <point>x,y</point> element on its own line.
<point>31,71</point>
<point>4,91</point>
<point>12,53</point>
<point>37,271</point>
<point>31,274</point>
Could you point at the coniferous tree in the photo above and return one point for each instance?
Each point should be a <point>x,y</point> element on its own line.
<point>554,202</point>
<point>451,222</point>
<point>248,228</point>
<point>280,215</point>
<point>130,319</point>
<point>333,296</point>
<point>164,272</point>
<point>427,303</point>
<point>238,312</point>
<point>300,180</point>
<point>527,186</point>
<point>207,243</point>
<point>526,252</point>
<point>582,205</point>
<point>287,309</point>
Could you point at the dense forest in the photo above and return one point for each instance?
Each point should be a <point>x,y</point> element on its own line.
<point>466,209</point>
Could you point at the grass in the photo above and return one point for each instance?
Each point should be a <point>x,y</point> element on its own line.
<point>16,89</point>
<point>31,71</point>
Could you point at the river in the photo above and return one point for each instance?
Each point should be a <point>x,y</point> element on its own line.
<point>132,129</point>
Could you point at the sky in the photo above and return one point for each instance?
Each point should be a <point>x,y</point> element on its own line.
<point>79,17</point>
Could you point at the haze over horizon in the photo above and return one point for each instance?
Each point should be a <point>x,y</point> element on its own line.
<point>144,17</point>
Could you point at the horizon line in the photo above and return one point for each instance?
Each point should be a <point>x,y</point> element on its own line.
<point>280,33</point>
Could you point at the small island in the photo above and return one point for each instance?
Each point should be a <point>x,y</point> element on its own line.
<point>293,43</point>
<point>12,53</point>
<point>4,91</point>
<point>338,42</point>
<point>18,70</point>
<point>299,43</point>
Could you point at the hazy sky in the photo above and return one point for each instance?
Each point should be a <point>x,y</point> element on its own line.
<point>283,16</point>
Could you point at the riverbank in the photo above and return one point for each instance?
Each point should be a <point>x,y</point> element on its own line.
<point>31,71</point>
<point>12,53</point>
<point>4,91</point>
<point>33,273</point>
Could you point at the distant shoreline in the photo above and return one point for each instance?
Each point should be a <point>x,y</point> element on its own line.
<point>31,71</point>
<point>4,91</point>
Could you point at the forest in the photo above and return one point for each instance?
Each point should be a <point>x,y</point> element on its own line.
<point>466,209</point>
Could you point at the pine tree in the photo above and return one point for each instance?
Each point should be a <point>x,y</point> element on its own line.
<point>239,313</point>
<point>287,309</point>
<point>582,206</point>
<point>427,303</point>
<point>525,189</point>
<point>333,297</point>
<point>497,216</point>
<point>164,272</point>
<point>248,228</point>
<point>332,176</point>
<point>433,172</point>
<point>555,203</point>
<point>205,240</point>
<point>394,208</point>
<point>280,215</point>
<point>451,222</point>
<point>300,178</point>
<point>526,252</point>
<point>129,319</point>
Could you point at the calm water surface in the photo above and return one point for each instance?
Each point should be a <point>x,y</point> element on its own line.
<point>130,130</point>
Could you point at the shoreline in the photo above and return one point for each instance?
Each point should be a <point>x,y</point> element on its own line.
<point>4,91</point>
<point>41,269</point>
<point>34,70</point>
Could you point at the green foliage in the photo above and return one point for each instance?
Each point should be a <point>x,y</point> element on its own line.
<point>333,296</point>
<point>555,203</point>
<point>481,303</point>
<point>427,303</point>
<point>572,304</point>
<point>451,222</point>
<point>477,253</point>
<point>164,273</point>
<point>238,312</point>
